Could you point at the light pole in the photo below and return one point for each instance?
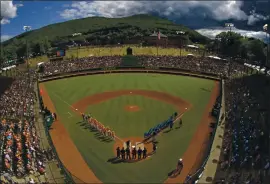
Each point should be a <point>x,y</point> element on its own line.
<point>27,28</point>
<point>218,44</point>
<point>180,33</point>
<point>230,26</point>
<point>267,64</point>
<point>265,28</point>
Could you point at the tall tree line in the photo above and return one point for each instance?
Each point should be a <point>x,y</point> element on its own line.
<point>231,44</point>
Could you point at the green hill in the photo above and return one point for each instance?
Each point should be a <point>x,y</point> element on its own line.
<point>96,30</point>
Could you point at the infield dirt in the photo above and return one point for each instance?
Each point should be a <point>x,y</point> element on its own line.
<point>195,153</point>
<point>73,160</point>
<point>66,149</point>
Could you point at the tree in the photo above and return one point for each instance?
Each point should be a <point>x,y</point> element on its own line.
<point>47,44</point>
<point>256,48</point>
<point>41,48</point>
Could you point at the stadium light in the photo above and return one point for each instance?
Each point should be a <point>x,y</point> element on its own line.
<point>265,29</point>
<point>27,28</point>
<point>180,33</point>
<point>229,25</point>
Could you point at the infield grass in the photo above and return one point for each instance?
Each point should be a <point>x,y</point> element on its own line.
<point>171,145</point>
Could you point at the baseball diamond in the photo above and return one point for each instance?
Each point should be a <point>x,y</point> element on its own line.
<point>175,109</point>
<point>156,93</point>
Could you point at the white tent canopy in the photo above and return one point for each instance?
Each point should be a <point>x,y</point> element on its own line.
<point>193,46</point>
<point>214,57</point>
<point>190,55</point>
<point>9,67</point>
<point>40,63</point>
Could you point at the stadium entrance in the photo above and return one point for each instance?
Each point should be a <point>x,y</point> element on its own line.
<point>129,51</point>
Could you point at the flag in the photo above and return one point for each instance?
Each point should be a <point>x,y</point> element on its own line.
<point>49,120</point>
<point>265,27</point>
<point>158,35</point>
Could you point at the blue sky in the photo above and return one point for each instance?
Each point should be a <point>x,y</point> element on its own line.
<point>36,14</point>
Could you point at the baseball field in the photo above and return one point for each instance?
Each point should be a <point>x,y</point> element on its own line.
<point>130,104</point>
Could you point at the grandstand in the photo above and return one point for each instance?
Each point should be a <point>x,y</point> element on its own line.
<point>245,148</point>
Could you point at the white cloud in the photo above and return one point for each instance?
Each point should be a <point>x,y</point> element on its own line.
<point>5,21</point>
<point>211,33</point>
<point>5,37</point>
<point>47,8</point>
<point>8,11</point>
<point>254,17</point>
<point>218,10</point>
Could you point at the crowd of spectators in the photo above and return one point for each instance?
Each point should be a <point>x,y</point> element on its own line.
<point>245,149</point>
<point>194,64</point>
<point>244,146</point>
<point>20,151</point>
<point>72,65</point>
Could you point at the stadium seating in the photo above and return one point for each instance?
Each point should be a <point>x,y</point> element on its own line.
<point>245,149</point>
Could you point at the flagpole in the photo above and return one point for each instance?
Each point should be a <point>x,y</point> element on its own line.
<point>157,46</point>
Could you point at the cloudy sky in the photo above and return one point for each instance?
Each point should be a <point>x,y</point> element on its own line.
<point>200,15</point>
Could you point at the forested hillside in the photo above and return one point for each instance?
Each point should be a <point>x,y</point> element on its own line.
<point>96,31</point>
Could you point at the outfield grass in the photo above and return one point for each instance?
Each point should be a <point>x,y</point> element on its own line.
<point>171,145</point>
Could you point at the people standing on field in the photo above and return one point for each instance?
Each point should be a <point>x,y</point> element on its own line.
<point>180,122</point>
<point>55,116</point>
<point>128,153</point>
<point>139,153</point>
<point>179,166</point>
<point>144,153</point>
<point>134,153</point>
<point>154,148</point>
<point>123,153</point>
<point>118,152</point>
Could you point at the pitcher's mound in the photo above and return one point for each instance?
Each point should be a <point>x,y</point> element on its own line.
<point>132,108</point>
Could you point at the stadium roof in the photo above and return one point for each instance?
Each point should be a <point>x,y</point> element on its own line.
<point>161,35</point>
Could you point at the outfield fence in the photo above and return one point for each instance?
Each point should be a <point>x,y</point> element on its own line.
<point>161,70</point>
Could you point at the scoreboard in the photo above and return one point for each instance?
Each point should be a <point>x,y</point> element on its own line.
<point>60,53</point>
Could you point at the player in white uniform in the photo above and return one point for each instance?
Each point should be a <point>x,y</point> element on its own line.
<point>179,166</point>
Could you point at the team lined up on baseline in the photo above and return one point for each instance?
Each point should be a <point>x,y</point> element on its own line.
<point>94,123</point>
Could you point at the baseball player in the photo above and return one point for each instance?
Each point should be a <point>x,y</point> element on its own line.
<point>113,135</point>
<point>179,166</point>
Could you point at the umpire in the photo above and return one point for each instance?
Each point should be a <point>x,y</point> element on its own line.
<point>144,153</point>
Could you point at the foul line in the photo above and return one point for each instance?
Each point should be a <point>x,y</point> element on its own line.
<point>180,116</point>
<point>77,110</point>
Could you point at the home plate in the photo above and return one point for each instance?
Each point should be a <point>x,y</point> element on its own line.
<point>130,92</point>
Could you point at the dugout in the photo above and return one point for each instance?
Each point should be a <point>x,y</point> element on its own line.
<point>129,51</point>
